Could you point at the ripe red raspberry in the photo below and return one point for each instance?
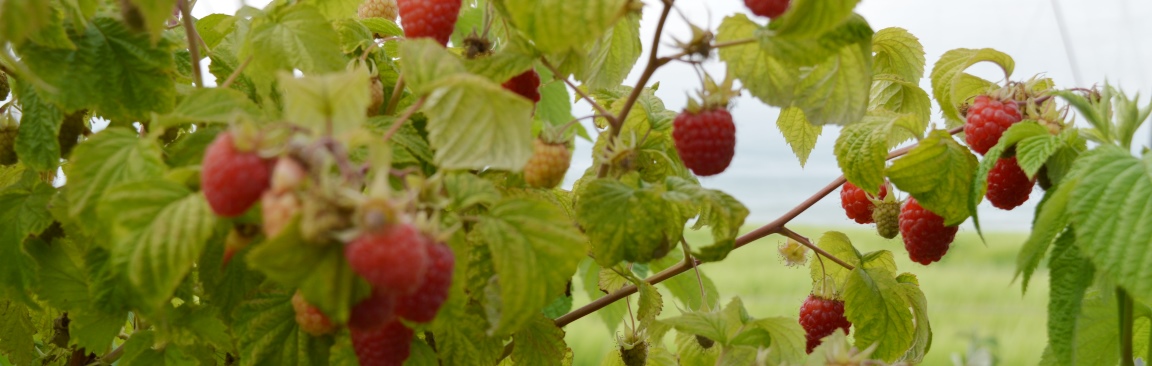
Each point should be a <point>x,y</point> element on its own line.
<point>925,236</point>
<point>374,312</point>
<point>389,345</point>
<point>1008,186</point>
<point>526,84</point>
<point>311,319</point>
<point>987,120</point>
<point>856,203</point>
<point>548,164</point>
<point>386,9</point>
<point>820,317</point>
<point>429,18</point>
<point>706,140</point>
<point>767,8</point>
<point>393,258</point>
<point>232,180</point>
<point>422,305</point>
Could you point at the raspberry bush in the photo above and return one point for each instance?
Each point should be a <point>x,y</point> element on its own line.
<point>360,189</point>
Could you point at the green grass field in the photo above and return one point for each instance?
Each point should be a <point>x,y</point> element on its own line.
<point>969,292</point>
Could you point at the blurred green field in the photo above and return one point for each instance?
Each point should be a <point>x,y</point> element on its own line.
<point>969,292</point>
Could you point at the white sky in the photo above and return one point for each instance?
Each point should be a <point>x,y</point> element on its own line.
<point>1110,40</point>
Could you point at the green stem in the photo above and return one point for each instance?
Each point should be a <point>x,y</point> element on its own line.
<point>1124,302</point>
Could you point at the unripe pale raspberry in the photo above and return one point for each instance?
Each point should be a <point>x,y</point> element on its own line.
<point>548,164</point>
<point>386,9</point>
<point>311,319</point>
<point>887,218</point>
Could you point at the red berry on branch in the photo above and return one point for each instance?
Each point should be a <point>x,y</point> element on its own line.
<point>820,317</point>
<point>1008,185</point>
<point>988,118</point>
<point>434,19</point>
<point>374,312</point>
<point>925,236</point>
<point>393,258</point>
<point>232,179</point>
<point>767,8</point>
<point>389,345</point>
<point>706,140</point>
<point>422,305</point>
<point>856,203</point>
<point>526,84</point>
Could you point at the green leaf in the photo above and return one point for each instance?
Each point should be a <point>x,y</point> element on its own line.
<point>1071,275</point>
<point>952,87</point>
<point>20,19</point>
<point>625,223</point>
<point>423,63</point>
<point>331,103</point>
<point>808,18</point>
<point>610,280</point>
<point>465,190</point>
<point>838,245</point>
<point>892,93</point>
<point>36,142</point>
<point>474,123</point>
<point>154,15</point>
<point>293,37</point>
<point>875,304</point>
<point>110,65</point>
<point>510,61</point>
<point>765,77</point>
<point>94,329</point>
<point>335,9</point>
<point>206,105</point>
<point>1033,152</point>
<point>922,339</point>
<point>614,55</point>
<point>862,148</point>
<point>1129,117</point>
<point>103,161</point>
<point>718,210</point>
<point>319,270</point>
<point>62,281</point>
<point>540,342</point>
<point>1051,219</point>
<point>383,27</point>
<point>1110,210</point>
<point>811,50</point>
<point>268,333</point>
<point>24,210</point>
<point>214,27</point>
<point>16,331</point>
<point>836,91</point>
<point>556,26</point>
<point>709,324</point>
<point>937,173</point>
<point>461,334</point>
<point>1014,134</point>
<point>899,53</point>
<point>160,229</point>
<point>690,352</point>
<point>535,250</point>
<point>798,132</point>
<point>788,344</point>
<point>649,305</point>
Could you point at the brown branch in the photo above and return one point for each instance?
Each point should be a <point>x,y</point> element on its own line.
<point>394,99</point>
<point>193,42</point>
<point>599,108</point>
<point>654,62</point>
<point>775,227</point>
<point>404,118</point>
<point>738,42</point>
<point>802,240</point>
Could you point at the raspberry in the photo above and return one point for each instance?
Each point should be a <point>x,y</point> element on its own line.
<point>422,305</point>
<point>887,218</point>
<point>925,236</point>
<point>74,125</point>
<point>394,258</point>
<point>434,19</point>
<point>374,312</point>
<point>548,164</point>
<point>705,342</point>
<point>856,203</point>
<point>1008,186</point>
<point>311,320</point>
<point>526,84</point>
<point>4,86</point>
<point>820,317</point>
<point>277,210</point>
<point>385,346</point>
<point>706,140</point>
<point>987,120</point>
<point>378,9</point>
<point>767,8</point>
<point>232,180</point>
<point>637,355</point>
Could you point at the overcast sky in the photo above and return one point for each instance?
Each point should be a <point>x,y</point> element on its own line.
<point>1109,39</point>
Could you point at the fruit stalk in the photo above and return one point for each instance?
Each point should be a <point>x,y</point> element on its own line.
<point>193,42</point>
